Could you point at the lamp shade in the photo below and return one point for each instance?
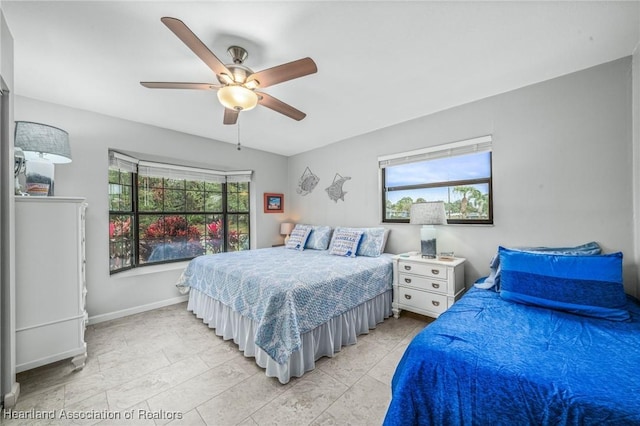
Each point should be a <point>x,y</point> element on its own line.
<point>237,98</point>
<point>286,228</point>
<point>42,141</point>
<point>428,213</point>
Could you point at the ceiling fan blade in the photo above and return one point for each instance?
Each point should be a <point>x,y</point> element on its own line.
<point>279,106</point>
<point>285,72</point>
<point>195,44</point>
<point>169,85</point>
<point>230,116</point>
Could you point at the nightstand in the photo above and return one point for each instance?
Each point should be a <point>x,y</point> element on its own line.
<point>426,286</point>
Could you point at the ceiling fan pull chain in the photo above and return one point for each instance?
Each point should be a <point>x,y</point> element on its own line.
<point>238,133</point>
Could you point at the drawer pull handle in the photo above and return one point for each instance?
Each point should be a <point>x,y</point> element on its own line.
<point>407,267</point>
<point>435,303</point>
<point>435,285</point>
<point>407,280</point>
<point>407,296</point>
<point>435,271</point>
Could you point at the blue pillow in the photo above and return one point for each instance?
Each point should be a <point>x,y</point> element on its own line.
<point>345,243</point>
<point>298,237</point>
<point>583,285</point>
<point>319,237</point>
<point>493,280</point>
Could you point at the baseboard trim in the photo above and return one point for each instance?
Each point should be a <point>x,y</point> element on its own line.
<point>136,310</point>
<point>11,398</point>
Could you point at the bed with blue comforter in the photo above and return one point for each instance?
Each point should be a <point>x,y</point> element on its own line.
<point>289,303</point>
<point>533,360</point>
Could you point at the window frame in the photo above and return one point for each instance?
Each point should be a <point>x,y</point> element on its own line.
<point>225,179</point>
<point>450,150</point>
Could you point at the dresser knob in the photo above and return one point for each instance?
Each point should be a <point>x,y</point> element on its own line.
<point>435,285</point>
<point>407,280</point>
<point>407,267</point>
<point>435,303</point>
<point>435,271</point>
<point>407,296</point>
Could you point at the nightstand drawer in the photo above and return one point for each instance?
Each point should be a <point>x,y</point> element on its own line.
<point>411,298</point>
<point>426,269</point>
<point>424,283</point>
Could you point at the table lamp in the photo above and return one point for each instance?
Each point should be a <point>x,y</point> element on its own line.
<point>285,229</point>
<point>43,145</point>
<point>428,214</point>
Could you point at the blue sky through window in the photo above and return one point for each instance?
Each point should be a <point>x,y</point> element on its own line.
<point>462,167</point>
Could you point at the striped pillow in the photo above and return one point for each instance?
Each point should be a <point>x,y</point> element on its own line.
<point>345,243</point>
<point>583,285</point>
<point>298,237</point>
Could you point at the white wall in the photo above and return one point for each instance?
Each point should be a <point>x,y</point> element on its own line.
<point>9,389</point>
<point>91,136</point>
<point>636,158</point>
<point>562,169</point>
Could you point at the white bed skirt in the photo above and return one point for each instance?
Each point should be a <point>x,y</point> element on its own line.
<point>324,340</point>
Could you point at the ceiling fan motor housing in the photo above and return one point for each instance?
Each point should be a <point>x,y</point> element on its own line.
<point>238,54</point>
<point>239,74</point>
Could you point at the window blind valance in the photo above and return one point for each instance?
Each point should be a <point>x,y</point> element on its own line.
<point>126,163</point>
<point>172,171</point>
<point>239,176</point>
<point>479,144</point>
<point>122,162</point>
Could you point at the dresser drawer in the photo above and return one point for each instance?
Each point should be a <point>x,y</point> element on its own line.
<point>422,300</point>
<point>428,270</point>
<point>423,283</point>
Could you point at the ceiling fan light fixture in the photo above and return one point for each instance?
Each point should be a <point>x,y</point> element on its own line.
<point>225,78</point>
<point>238,98</point>
<point>252,84</point>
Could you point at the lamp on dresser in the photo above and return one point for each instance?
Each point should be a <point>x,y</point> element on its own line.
<point>428,214</point>
<point>43,146</point>
<point>285,229</point>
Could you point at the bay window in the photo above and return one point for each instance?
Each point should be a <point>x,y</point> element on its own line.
<point>162,213</point>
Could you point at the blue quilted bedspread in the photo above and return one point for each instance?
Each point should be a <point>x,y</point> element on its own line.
<point>288,292</point>
<point>487,361</point>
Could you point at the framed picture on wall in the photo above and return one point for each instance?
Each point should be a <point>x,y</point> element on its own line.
<point>273,203</point>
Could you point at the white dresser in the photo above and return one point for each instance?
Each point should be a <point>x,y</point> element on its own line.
<point>426,286</point>
<point>50,281</point>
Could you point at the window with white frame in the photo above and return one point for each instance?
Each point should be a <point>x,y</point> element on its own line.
<point>458,173</point>
<point>160,213</point>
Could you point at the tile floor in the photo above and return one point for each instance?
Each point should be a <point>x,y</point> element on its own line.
<point>166,367</point>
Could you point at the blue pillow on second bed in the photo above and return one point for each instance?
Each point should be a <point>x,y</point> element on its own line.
<point>493,280</point>
<point>583,285</point>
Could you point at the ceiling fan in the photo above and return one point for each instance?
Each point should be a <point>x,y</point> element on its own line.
<point>238,86</point>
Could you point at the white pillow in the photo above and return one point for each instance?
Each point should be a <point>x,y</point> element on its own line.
<point>345,243</point>
<point>298,237</point>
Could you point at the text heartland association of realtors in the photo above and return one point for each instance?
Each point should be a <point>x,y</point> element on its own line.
<point>62,414</point>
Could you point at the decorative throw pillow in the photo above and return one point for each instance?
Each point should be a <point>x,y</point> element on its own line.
<point>298,237</point>
<point>319,237</point>
<point>493,280</point>
<point>345,243</point>
<point>583,285</point>
<point>373,240</point>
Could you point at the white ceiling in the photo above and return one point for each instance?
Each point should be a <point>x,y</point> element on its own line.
<point>379,63</point>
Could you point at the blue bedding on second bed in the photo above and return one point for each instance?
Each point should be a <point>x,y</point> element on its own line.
<point>288,292</point>
<point>491,361</point>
